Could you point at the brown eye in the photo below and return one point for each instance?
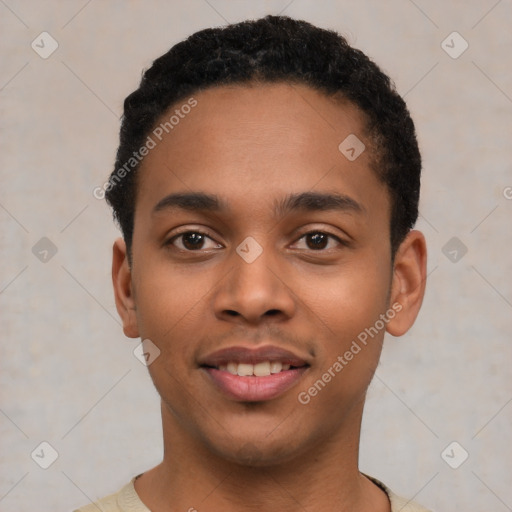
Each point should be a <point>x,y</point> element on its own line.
<point>319,240</point>
<point>192,241</point>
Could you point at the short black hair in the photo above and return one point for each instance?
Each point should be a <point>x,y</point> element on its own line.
<point>267,50</point>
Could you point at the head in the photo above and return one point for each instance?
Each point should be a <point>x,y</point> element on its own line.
<point>247,223</point>
<point>272,50</point>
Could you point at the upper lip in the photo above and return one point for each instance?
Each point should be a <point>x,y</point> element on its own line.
<point>246,355</point>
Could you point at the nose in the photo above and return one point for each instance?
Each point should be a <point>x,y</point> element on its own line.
<point>255,291</point>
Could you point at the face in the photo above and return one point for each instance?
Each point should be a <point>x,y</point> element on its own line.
<point>258,246</point>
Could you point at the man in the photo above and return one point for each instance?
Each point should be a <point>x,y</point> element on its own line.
<point>266,184</point>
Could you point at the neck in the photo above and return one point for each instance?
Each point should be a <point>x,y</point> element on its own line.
<point>323,477</point>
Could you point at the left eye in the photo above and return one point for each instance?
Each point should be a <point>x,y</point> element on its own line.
<point>318,240</point>
<point>192,241</point>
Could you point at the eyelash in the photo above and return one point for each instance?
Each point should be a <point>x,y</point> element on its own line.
<point>170,242</point>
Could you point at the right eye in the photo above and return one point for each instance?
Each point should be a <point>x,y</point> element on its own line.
<point>191,241</point>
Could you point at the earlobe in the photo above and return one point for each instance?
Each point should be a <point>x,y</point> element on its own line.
<point>123,289</point>
<point>408,286</point>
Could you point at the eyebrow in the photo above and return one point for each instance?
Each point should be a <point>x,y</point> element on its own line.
<point>303,202</point>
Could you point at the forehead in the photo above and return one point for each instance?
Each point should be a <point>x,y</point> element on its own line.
<point>254,141</point>
<point>273,117</point>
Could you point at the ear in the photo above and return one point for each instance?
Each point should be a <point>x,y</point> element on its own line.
<point>123,289</point>
<point>408,285</point>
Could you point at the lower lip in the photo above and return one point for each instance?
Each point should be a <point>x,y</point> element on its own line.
<point>255,389</point>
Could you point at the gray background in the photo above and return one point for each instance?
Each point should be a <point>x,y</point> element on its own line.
<point>68,374</point>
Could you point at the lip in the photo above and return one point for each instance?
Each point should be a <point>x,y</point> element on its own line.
<point>252,388</point>
<point>246,355</point>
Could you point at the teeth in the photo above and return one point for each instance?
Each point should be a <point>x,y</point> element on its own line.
<point>276,367</point>
<point>245,370</point>
<point>263,369</point>
<point>232,368</point>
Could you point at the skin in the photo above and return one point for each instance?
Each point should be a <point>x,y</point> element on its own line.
<point>251,146</point>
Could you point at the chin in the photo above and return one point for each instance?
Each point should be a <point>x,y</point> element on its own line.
<point>253,452</point>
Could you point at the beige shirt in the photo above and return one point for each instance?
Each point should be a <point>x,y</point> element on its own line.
<point>127,500</point>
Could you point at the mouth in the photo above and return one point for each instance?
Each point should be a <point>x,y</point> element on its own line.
<point>246,375</point>
<point>263,369</point>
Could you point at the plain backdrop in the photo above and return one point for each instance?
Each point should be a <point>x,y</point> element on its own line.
<point>69,376</point>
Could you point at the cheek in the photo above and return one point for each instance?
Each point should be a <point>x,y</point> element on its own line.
<point>170,313</point>
<point>351,299</point>
<point>349,310</point>
<point>170,307</point>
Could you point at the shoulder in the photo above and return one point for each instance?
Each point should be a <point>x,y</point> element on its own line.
<point>106,504</point>
<point>397,502</point>
<point>125,500</point>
